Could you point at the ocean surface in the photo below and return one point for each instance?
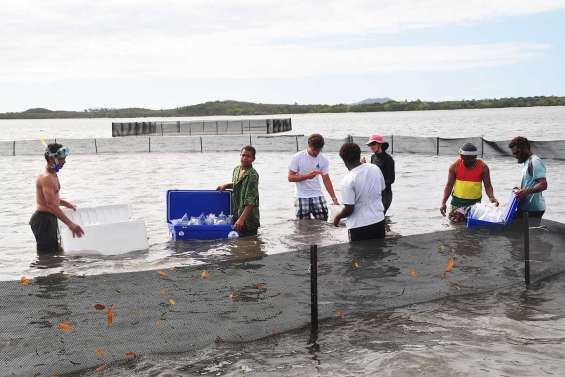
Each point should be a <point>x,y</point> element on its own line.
<point>508,332</point>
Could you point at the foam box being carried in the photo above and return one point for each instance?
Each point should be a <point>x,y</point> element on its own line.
<point>194,203</point>
<point>108,230</point>
<point>489,217</point>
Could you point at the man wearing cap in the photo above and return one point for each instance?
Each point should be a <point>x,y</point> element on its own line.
<point>385,162</point>
<point>464,184</point>
<point>533,182</point>
<point>44,221</point>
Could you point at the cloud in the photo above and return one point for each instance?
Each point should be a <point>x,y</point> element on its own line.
<point>64,40</point>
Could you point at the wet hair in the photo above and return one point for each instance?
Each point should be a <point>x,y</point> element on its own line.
<point>52,148</point>
<point>316,141</point>
<point>350,153</point>
<point>519,142</point>
<point>250,149</point>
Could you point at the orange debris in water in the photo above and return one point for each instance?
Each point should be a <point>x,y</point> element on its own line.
<point>172,301</point>
<point>450,264</point>
<point>109,316</point>
<point>99,352</point>
<point>163,274</point>
<point>101,368</point>
<point>65,327</point>
<point>339,313</point>
<point>158,323</point>
<point>413,272</point>
<point>163,291</point>
<point>204,274</point>
<point>355,264</point>
<point>24,281</point>
<point>99,306</point>
<point>130,355</point>
<point>260,285</point>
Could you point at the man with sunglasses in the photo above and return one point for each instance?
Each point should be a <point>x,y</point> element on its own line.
<point>44,221</point>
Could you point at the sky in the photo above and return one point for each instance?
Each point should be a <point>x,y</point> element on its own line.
<point>73,55</point>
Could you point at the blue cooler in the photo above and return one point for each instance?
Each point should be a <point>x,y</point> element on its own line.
<point>194,203</point>
<point>508,216</point>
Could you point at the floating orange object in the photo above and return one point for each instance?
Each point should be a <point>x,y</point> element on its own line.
<point>99,352</point>
<point>204,274</point>
<point>339,313</point>
<point>109,316</point>
<point>260,285</point>
<point>450,264</point>
<point>101,368</point>
<point>65,327</point>
<point>158,323</point>
<point>130,355</point>
<point>163,274</point>
<point>413,272</point>
<point>24,281</point>
<point>99,306</point>
<point>355,264</point>
<point>172,301</point>
<point>163,291</point>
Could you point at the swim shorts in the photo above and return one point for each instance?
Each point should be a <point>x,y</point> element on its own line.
<point>317,207</point>
<point>45,229</point>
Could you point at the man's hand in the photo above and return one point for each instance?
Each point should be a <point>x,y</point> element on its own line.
<point>521,194</point>
<point>336,221</point>
<point>336,202</point>
<point>71,206</point>
<point>443,209</point>
<point>76,230</point>
<point>238,224</point>
<point>313,174</point>
<point>221,188</point>
<point>494,201</point>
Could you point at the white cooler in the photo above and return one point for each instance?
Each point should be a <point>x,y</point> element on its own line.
<point>108,230</point>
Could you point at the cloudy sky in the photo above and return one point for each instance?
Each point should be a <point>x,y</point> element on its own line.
<point>72,54</point>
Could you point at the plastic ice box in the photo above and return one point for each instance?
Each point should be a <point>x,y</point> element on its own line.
<point>194,203</point>
<point>508,216</point>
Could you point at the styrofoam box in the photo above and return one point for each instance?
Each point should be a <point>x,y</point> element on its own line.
<point>108,230</point>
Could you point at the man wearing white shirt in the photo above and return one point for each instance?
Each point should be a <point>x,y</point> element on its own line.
<point>304,169</point>
<point>362,196</point>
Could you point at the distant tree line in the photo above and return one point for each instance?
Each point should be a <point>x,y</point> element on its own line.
<point>250,108</point>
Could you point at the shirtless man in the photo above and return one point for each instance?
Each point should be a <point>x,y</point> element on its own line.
<point>44,221</point>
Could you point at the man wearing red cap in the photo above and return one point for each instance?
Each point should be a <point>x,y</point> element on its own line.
<point>385,162</point>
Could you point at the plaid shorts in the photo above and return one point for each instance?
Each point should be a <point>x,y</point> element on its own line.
<point>316,206</point>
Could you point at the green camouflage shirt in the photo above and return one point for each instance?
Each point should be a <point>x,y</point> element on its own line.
<point>246,192</point>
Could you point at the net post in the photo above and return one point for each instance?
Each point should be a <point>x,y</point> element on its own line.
<point>526,248</point>
<point>313,291</point>
<point>437,146</point>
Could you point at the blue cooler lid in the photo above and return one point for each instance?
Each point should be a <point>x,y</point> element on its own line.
<point>195,202</point>
<point>511,210</point>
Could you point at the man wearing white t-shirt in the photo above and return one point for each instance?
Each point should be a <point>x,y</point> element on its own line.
<point>304,169</point>
<point>362,196</point>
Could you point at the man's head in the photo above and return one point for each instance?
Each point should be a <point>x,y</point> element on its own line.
<point>247,156</point>
<point>315,144</point>
<point>350,153</point>
<point>520,147</point>
<point>468,153</point>
<point>55,155</point>
<point>377,143</point>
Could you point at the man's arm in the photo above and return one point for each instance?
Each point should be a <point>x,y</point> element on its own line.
<point>390,171</point>
<point>53,202</point>
<point>345,212</point>
<point>541,185</point>
<point>488,184</point>
<point>330,188</point>
<point>67,204</point>
<point>241,221</point>
<point>448,189</point>
<point>225,186</point>
<point>295,177</point>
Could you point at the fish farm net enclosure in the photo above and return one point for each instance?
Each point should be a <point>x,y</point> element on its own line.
<point>552,149</point>
<point>60,324</point>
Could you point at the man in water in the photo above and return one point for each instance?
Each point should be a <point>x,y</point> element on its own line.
<point>464,184</point>
<point>533,179</point>
<point>386,163</point>
<point>44,221</point>
<point>304,169</point>
<point>361,194</point>
<point>245,196</point>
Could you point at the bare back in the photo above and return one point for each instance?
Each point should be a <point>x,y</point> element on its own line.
<point>47,189</point>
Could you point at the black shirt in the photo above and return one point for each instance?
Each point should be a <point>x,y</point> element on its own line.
<point>386,163</point>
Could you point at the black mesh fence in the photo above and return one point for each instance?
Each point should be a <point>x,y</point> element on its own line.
<point>60,323</point>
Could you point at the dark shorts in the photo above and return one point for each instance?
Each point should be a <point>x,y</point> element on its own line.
<point>532,214</point>
<point>46,231</point>
<point>369,232</point>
